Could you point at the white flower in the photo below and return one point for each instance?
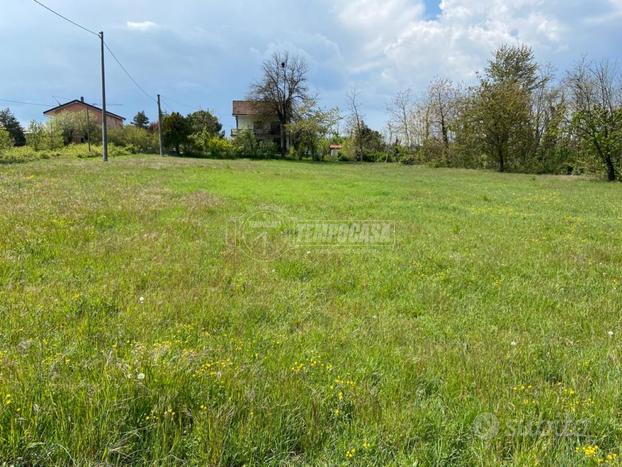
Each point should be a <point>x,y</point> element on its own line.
<point>140,376</point>
<point>610,333</point>
<point>513,343</point>
<point>141,299</point>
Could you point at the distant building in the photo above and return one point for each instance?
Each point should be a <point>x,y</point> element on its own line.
<point>251,115</point>
<point>74,106</point>
<point>335,149</point>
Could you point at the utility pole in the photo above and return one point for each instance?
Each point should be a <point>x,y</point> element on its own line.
<point>104,114</point>
<point>160,125</point>
<point>88,128</point>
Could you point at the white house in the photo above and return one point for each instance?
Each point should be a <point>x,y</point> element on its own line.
<point>250,115</point>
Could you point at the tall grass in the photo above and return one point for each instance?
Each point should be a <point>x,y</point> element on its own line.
<point>134,331</point>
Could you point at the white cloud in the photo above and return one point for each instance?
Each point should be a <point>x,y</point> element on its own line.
<point>455,44</point>
<point>141,25</point>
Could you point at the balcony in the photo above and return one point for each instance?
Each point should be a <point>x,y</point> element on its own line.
<point>260,134</point>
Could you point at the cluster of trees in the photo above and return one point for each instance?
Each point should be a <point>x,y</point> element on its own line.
<point>517,118</point>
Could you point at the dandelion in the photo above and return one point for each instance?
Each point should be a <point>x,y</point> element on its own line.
<point>350,453</point>
<point>140,376</point>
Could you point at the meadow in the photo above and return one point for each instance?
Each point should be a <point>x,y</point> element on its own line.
<point>135,330</point>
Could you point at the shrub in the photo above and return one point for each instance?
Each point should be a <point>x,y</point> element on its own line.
<point>135,139</point>
<point>206,143</point>
<point>245,144</point>
<point>220,148</point>
<point>5,139</point>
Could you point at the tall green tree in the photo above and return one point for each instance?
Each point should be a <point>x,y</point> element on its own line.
<point>141,120</point>
<point>175,131</point>
<point>12,125</point>
<point>596,101</point>
<point>205,122</point>
<point>515,64</point>
<point>502,110</point>
<point>502,105</point>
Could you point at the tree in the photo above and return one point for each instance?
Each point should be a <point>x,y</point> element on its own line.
<point>204,121</point>
<point>516,64</point>
<point>37,136</point>
<point>12,125</point>
<point>282,88</point>
<point>76,127</point>
<point>502,105</point>
<point>401,111</point>
<point>175,131</point>
<point>44,135</point>
<point>356,124</point>
<point>311,127</point>
<point>596,102</point>
<point>503,112</point>
<point>5,139</point>
<point>141,120</point>
<point>442,96</point>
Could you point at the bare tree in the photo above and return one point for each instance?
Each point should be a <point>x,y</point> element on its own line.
<point>356,122</point>
<point>442,95</point>
<point>596,104</point>
<point>282,88</point>
<point>400,117</point>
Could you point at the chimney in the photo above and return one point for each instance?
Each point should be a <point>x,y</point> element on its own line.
<point>82,99</point>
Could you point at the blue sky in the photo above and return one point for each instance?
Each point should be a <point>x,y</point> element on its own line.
<point>205,53</point>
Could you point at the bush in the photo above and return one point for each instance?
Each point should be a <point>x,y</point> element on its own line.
<point>44,136</point>
<point>27,153</point>
<point>220,148</point>
<point>246,145</point>
<point>5,139</point>
<point>135,139</point>
<point>210,145</point>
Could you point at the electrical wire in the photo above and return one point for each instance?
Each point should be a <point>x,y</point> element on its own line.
<point>66,19</point>
<point>105,44</point>
<point>11,101</point>
<point>149,96</point>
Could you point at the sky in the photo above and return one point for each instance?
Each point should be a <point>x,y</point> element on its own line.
<point>206,53</point>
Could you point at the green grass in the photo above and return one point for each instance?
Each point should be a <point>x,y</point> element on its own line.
<point>498,297</point>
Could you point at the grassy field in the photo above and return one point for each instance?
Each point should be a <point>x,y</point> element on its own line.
<point>136,331</point>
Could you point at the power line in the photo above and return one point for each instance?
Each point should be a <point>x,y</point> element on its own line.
<point>65,18</point>
<point>128,73</point>
<point>181,104</point>
<point>11,101</point>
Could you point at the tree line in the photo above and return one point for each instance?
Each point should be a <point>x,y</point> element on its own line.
<point>517,117</point>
